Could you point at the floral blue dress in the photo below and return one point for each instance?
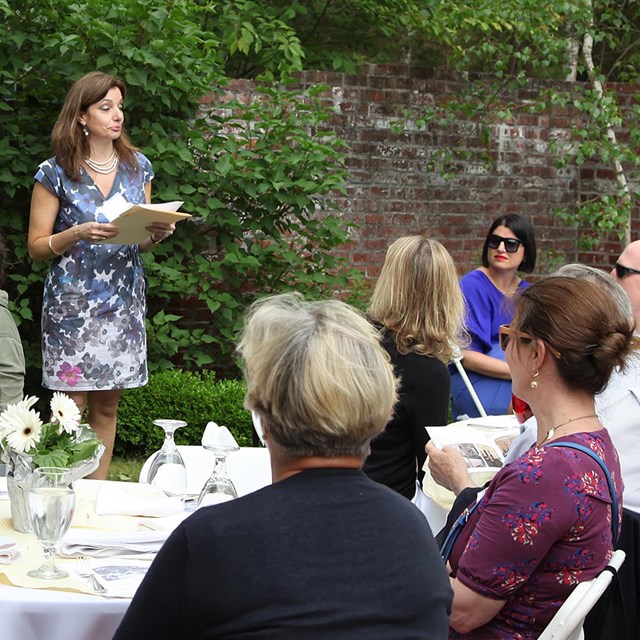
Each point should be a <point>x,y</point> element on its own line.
<point>94,306</point>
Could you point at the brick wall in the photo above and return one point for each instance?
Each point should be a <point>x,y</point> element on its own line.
<point>393,192</point>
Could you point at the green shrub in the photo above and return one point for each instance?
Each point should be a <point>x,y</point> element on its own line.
<point>195,397</point>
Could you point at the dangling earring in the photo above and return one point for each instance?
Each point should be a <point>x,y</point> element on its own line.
<point>534,383</point>
<point>85,130</point>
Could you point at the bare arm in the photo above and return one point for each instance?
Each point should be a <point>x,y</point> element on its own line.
<point>43,244</point>
<point>470,610</point>
<point>485,364</point>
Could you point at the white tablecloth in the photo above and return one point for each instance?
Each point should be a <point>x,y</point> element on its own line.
<point>47,614</point>
<point>38,614</point>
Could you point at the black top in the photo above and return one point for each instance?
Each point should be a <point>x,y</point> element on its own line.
<point>326,553</point>
<point>397,455</point>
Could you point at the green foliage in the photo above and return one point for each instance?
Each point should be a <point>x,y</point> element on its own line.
<point>513,41</point>
<point>253,173</point>
<point>125,469</point>
<point>196,398</point>
<point>261,35</point>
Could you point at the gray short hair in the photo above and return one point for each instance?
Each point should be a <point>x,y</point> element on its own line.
<point>317,375</point>
<point>602,279</point>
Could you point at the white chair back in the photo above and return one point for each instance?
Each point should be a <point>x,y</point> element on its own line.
<point>249,468</point>
<point>568,621</point>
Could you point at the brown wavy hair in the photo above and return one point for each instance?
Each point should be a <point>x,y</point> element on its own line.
<point>581,321</point>
<point>69,144</point>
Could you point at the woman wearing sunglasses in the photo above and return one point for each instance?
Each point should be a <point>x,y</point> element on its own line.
<point>509,247</point>
<point>548,520</point>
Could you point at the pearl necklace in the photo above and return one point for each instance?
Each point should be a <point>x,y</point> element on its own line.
<point>552,431</point>
<point>106,167</point>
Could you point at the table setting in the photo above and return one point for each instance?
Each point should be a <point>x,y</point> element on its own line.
<point>105,554</point>
<point>108,539</point>
<point>73,551</point>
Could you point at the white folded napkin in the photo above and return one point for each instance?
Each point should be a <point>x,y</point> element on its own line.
<point>103,544</point>
<point>133,499</point>
<point>8,551</point>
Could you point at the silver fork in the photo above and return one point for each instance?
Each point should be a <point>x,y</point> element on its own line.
<point>85,571</point>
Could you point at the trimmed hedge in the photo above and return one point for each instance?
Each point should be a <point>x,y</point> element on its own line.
<point>195,397</point>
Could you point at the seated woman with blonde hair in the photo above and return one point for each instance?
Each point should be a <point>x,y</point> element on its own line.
<point>418,307</point>
<point>323,552</point>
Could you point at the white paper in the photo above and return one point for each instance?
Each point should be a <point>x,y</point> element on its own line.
<point>482,446</point>
<point>112,208</point>
<point>120,577</point>
<point>134,219</point>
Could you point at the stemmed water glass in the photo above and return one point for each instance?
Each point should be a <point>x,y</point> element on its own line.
<point>219,487</point>
<point>51,501</point>
<point>168,471</point>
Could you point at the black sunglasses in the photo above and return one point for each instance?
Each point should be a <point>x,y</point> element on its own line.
<point>622,271</point>
<point>511,245</point>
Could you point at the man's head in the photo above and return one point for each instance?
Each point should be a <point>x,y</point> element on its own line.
<point>627,274</point>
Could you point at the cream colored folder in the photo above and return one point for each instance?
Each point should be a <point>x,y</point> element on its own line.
<point>133,221</point>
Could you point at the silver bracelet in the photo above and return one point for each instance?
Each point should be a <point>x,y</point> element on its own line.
<point>154,242</point>
<point>52,249</point>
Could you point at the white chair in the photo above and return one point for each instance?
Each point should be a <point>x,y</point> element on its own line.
<point>568,621</point>
<point>249,468</point>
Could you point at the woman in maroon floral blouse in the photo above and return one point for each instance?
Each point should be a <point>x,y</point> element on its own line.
<point>544,523</point>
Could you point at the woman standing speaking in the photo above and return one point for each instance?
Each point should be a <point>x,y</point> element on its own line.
<point>93,313</point>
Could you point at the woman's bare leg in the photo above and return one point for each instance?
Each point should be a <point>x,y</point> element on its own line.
<point>103,410</point>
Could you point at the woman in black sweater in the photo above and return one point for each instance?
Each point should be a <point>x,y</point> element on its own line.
<point>418,306</point>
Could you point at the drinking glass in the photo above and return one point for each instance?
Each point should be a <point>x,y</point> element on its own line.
<point>168,471</point>
<point>219,487</point>
<point>51,501</point>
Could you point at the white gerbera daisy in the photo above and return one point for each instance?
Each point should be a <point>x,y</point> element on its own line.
<point>27,435</point>
<point>15,415</point>
<point>65,412</point>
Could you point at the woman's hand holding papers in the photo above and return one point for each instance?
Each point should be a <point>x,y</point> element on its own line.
<point>448,468</point>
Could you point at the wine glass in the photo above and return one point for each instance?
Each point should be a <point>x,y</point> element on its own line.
<point>219,487</point>
<point>168,471</point>
<point>51,501</point>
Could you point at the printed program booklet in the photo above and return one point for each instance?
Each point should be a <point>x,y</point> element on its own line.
<point>483,442</point>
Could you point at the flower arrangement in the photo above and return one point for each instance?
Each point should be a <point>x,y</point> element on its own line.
<point>28,443</point>
<point>62,442</point>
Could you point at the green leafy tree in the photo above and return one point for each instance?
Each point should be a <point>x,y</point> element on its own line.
<point>267,35</point>
<point>512,42</point>
<point>254,174</point>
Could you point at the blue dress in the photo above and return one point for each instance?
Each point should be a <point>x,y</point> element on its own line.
<point>94,306</point>
<point>487,309</point>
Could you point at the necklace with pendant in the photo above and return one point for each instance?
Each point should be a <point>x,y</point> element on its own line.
<point>552,431</point>
<point>106,167</point>
<point>509,289</point>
